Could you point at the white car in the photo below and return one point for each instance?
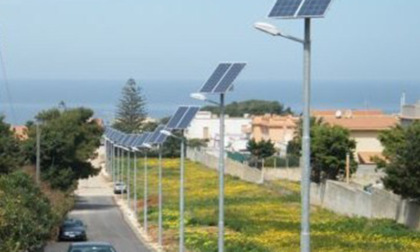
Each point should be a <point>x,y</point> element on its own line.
<point>120,187</point>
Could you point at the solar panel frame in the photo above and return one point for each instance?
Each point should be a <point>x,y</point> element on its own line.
<point>215,78</point>
<point>226,83</point>
<point>179,113</point>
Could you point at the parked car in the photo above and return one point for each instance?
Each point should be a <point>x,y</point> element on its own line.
<point>91,247</point>
<point>120,187</point>
<point>72,230</point>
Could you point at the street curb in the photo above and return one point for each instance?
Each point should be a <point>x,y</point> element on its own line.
<point>131,221</point>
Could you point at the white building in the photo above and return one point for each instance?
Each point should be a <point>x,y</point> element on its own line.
<point>205,125</point>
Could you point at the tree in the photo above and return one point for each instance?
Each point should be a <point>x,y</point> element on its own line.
<point>10,154</point>
<point>26,216</point>
<point>131,109</point>
<point>402,160</point>
<point>329,148</point>
<point>252,107</point>
<point>261,150</point>
<point>69,140</point>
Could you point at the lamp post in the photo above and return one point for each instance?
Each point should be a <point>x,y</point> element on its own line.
<point>306,171</point>
<point>221,223</point>
<point>181,189</point>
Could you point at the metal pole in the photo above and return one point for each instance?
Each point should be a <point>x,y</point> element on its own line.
<point>160,197</point>
<point>145,192</point>
<point>38,153</point>
<point>305,239</point>
<point>221,241</point>
<point>181,201</point>
<point>135,185</point>
<point>118,163</point>
<point>128,179</point>
<point>112,162</point>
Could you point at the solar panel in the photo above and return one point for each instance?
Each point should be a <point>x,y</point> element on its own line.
<point>133,138</point>
<point>229,78</point>
<point>215,78</point>
<point>299,8</point>
<point>147,139</point>
<point>156,134</point>
<point>173,122</point>
<point>285,8</point>
<point>188,117</point>
<point>161,139</point>
<point>183,117</point>
<point>314,8</point>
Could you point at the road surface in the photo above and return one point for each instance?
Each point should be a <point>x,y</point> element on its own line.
<point>96,208</point>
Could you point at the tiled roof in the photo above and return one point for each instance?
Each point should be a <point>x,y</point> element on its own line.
<point>275,121</point>
<point>364,123</point>
<point>358,119</point>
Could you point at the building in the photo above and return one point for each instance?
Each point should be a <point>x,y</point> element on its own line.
<point>364,127</point>
<point>20,131</point>
<point>279,129</point>
<point>409,113</point>
<point>206,126</point>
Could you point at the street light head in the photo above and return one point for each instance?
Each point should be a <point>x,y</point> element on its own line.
<point>198,96</point>
<point>166,132</point>
<point>267,28</point>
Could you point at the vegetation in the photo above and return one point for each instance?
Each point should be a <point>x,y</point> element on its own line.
<point>69,139</point>
<point>329,148</point>
<point>260,150</point>
<point>252,107</point>
<point>402,160</point>
<point>131,109</point>
<point>28,213</point>
<point>258,218</point>
<point>10,156</point>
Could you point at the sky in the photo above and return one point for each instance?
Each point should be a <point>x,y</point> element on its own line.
<point>186,39</point>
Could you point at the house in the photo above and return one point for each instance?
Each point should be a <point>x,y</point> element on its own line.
<point>20,131</point>
<point>279,129</point>
<point>410,113</point>
<point>206,126</point>
<point>364,127</point>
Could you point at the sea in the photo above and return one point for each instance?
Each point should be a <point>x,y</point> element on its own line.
<point>21,100</point>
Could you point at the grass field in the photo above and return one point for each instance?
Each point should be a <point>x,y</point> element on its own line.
<point>258,218</point>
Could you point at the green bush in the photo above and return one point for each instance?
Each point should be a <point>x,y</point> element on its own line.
<point>26,218</point>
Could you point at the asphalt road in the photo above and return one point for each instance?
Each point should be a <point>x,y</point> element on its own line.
<point>96,208</point>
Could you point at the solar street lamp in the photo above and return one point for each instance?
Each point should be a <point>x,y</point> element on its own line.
<point>301,9</point>
<point>220,82</point>
<point>180,121</point>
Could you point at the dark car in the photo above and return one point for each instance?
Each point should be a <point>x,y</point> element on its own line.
<point>72,230</point>
<point>91,247</point>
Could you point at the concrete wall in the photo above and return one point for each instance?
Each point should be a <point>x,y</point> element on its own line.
<point>352,200</point>
<point>339,197</point>
<point>232,168</point>
<point>292,173</point>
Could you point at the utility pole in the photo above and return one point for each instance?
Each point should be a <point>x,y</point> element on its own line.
<point>38,153</point>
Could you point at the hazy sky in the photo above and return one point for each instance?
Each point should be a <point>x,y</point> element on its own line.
<point>186,39</point>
